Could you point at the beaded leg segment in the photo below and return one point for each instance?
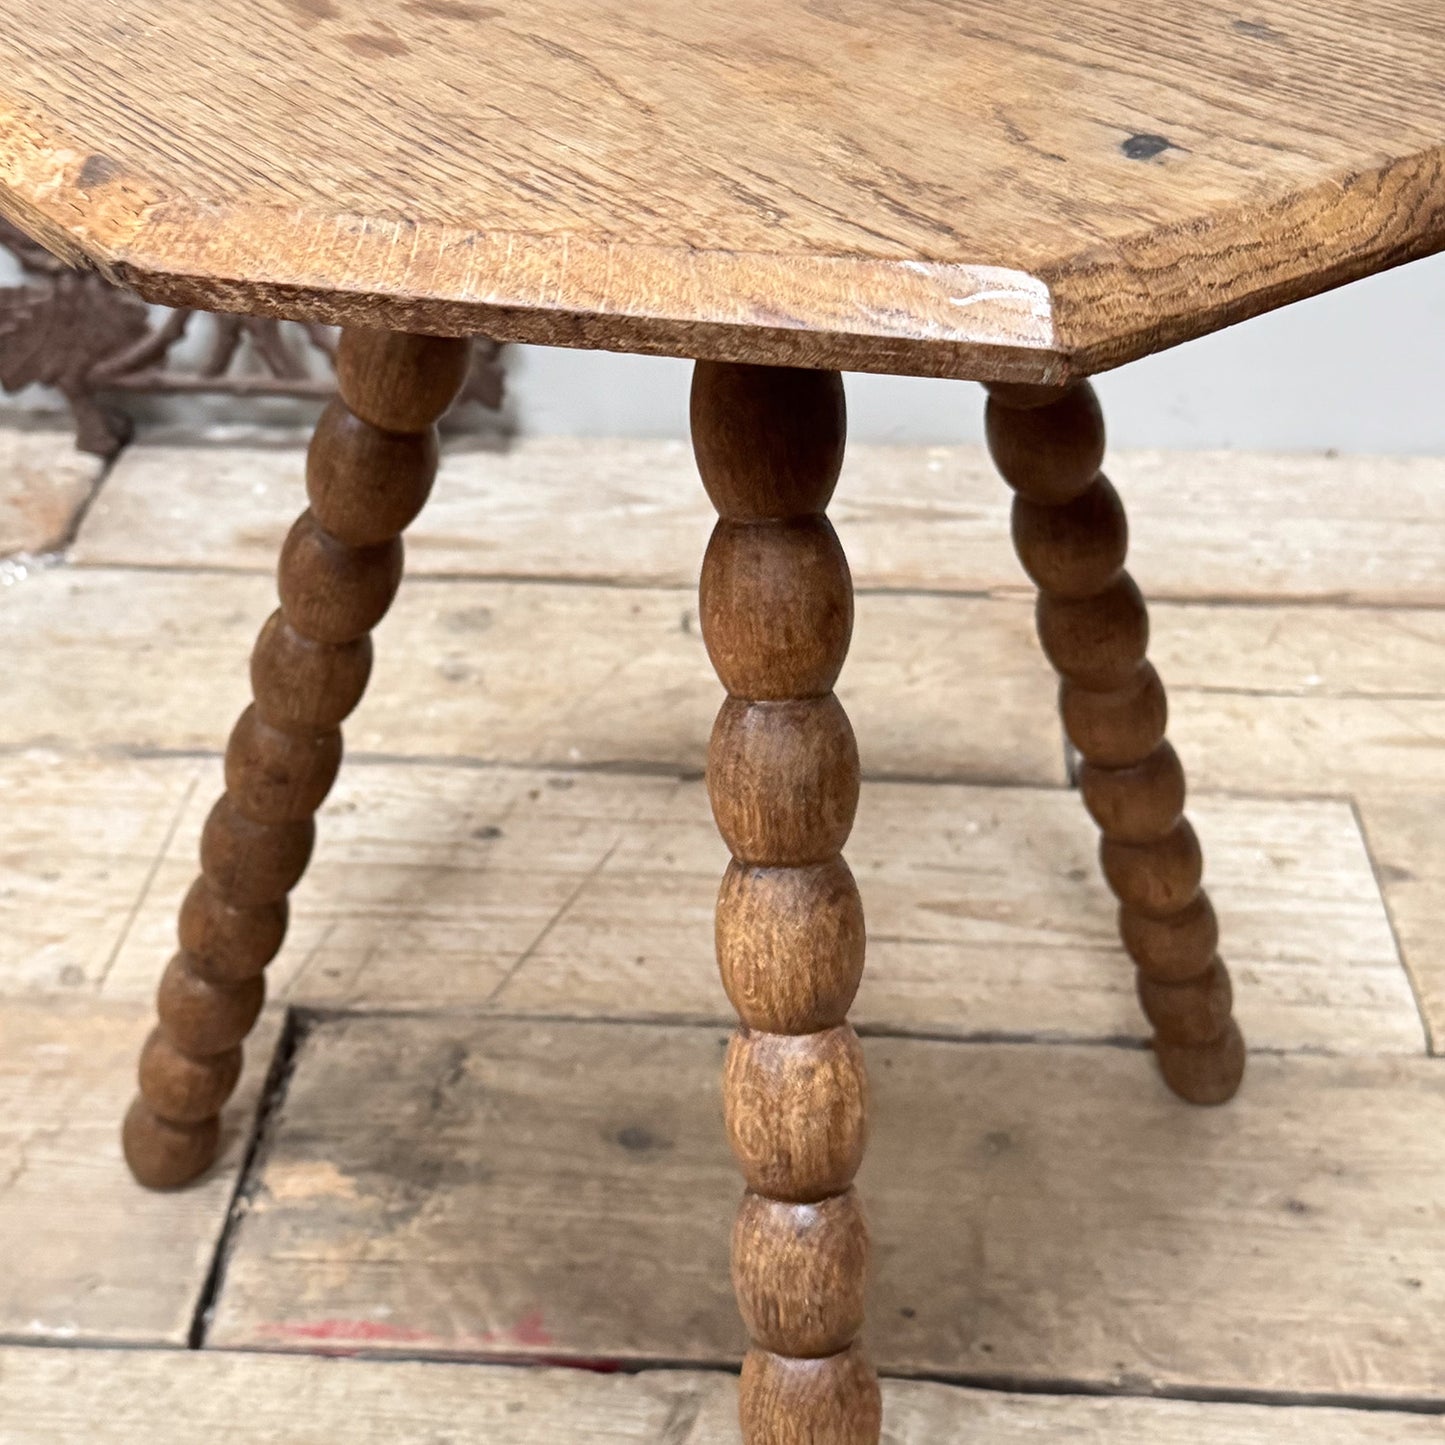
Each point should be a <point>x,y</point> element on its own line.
<point>776,608</point>
<point>368,473</point>
<point>1071,535</point>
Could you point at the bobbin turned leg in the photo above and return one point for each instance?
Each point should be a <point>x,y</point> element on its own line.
<point>1071,536</point>
<point>777,613</point>
<point>368,472</point>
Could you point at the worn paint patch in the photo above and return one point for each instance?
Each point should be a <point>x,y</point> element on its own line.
<point>530,1332</point>
<point>340,1336</point>
<point>310,1179</point>
<point>336,1336</point>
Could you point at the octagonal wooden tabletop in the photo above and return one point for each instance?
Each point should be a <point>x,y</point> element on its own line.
<point>1001,189</point>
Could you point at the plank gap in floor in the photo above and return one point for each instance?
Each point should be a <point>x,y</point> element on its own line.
<point>1041,1213</point>
<point>133,1397</point>
<point>88,1254</point>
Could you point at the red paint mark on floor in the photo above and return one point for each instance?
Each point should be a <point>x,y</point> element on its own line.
<point>346,1332</point>
<point>525,1341</point>
<point>530,1330</point>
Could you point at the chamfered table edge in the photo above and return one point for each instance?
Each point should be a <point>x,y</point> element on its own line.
<point>1107,305</point>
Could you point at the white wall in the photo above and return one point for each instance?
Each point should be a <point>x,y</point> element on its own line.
<point>1361,369</point>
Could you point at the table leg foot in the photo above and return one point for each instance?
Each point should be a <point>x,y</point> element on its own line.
<point>1071,535</point>
<point>369,470</point>
<point>776,609</point>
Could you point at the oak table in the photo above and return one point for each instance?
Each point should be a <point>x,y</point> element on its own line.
<point>1008,191</point>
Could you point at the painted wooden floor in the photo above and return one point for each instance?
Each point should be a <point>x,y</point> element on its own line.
<point>480,1120</point>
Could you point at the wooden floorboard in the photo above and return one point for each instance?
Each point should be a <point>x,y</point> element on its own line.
<point>45,483</point>
<point>1285,700</point>
<point>1313,654</point>
<point>1406,833</point>
<point>133,1397</point>
<point>1213,525</point>
<point>1040,1213</point>
<point>590,895</point>
<point>87,1254</point>
<point>484,1153</point>
<point>84,837</point>
<point>516,673</point>
<point>1264,744</point>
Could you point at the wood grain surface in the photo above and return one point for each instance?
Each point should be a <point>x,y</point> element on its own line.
<point>1265,700</point>
<point>1033,1190</point>
<point>1204,526</point>
<point>1015,191</point>
<point>1039,1212</point>
<point>1072,537</point>
<point>44,486</point>
<point>88,1254</point>
<point>135,1397</point>
<point>1407,842</point>
<point>509,672</point>
<point>521,891</point>
<point>369,471</point>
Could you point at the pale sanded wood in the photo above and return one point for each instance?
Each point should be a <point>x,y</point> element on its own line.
<point>1406,839</point>
<point>986,915</point>
<point>99,637</point>
<point>89,1255</point>
<point>585,895</point>
<point>45,483</point>
<point>1015,191</point>
<point>1216,525</point>
<point>1382,656</point>
<point>486,671</point>
<point>1291,700</point>
<point>429,885</point>
<point>82,839</point>
<point>1297,744</point>
<point>143,1397</point>
<point>587,509</point>
<point>1039,1212</point>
